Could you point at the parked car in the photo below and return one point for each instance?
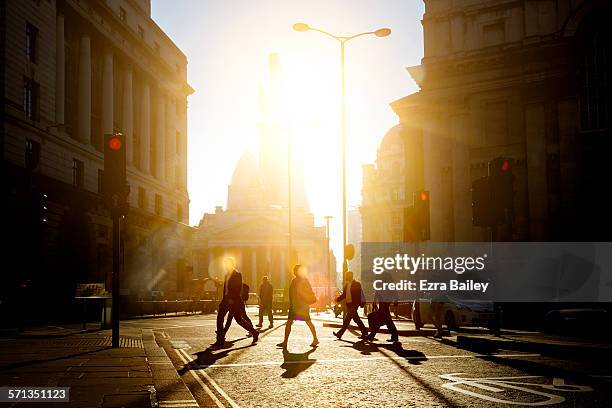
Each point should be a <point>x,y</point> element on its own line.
<point>576,320</point>
<point>456,313</point>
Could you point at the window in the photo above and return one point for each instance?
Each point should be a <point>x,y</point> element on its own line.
<point>78,173</point>
<point>31,42</point>
<point>122,14</point>
<point>100,181</point>
<point>142,198</point>
<point>158,204</point>
<point>596,82</point>
<point>179,212</point>
<point>32,154</point>
<point>493,34</point>
<point>396,219</point>
<point>395,169</point>
<point>141,31</point>
<point>30,98</point>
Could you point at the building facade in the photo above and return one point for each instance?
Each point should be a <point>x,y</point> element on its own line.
<point>383,191</point>
<point>528,80</point>
<point>74,71</point>
<point>254,227</point>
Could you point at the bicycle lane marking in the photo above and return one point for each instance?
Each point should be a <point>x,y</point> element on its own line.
<point>499,384</point>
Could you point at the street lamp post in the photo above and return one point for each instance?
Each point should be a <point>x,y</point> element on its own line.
<point>328,258</point>
<point>381,32</point>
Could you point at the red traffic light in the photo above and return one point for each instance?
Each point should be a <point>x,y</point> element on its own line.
<point>424,196</point>
<point>505,166</point>
<point>115,143</point>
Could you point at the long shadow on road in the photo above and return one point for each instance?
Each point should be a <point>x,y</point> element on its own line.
<point>295,363</point>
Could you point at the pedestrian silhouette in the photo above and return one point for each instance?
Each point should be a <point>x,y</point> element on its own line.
<point>354,298</point>
<point>265,301</point>
<point>233,302</point>
<point>381,316</point>
<point>301,296</point>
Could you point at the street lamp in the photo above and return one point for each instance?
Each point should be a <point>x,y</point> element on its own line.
<point>381,32</point>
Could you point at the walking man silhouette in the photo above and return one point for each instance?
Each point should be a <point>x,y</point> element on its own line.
<point>354,298</point>
<point>232,302</point>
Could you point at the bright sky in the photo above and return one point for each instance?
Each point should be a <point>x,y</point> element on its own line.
<point>227,43</point>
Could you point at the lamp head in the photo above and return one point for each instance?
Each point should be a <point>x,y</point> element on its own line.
<point>301,27</point>
<point>382,32</point>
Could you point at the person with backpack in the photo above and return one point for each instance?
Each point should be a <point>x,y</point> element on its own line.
<point>232,302</point>
<point>354,298</point>
<point>301,296</point>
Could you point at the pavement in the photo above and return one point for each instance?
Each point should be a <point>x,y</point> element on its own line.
<point>169,362</point>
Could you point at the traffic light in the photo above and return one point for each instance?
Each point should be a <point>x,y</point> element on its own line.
<point>481,202</point>
<point>114,179</point>
<point>502,190</point>
<point>421,215</point>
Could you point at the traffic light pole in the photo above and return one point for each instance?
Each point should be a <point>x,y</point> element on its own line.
<point>116,215</point>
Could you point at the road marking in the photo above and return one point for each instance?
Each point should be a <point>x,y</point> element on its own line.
<point>199,380</point>
<point>359,359</point>
<point>178,404</point>
<point>501,384</point>
<point>210,381</point>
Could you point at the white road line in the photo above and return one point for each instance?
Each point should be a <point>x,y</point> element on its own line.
<point>178,404</point>
<point>348,360</point>
<point>213,383</point>
<point>199,380</point>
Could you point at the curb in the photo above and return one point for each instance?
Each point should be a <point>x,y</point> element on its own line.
<point>491,344</point>
<point>169,387</point>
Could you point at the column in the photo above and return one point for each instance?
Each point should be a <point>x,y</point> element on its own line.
<point>283,269</point>
<point>462,195</point>
<point>535,135</point>
<point>432,176</point>
<point>171,141</point>
<point>145,129</point>
<point>160,137</point>
<point>254,270</point>
<point>107,92</point>
<point>128,113</point>
<point>60,71</point>
<point>84,108</point>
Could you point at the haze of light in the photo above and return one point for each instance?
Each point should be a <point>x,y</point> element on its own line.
<point>227,43</point>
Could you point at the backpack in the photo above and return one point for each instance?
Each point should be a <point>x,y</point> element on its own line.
<point>244,293</point>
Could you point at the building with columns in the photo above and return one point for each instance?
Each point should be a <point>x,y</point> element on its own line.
<point>254,226</point>
<point>529,80</point>
<point>75,70</point>
<point>382,193</point>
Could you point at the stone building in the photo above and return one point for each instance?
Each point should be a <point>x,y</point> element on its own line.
<point>383,191</point>
<point>529,80</point>
<point>73,71</point>
<point>254,227</point>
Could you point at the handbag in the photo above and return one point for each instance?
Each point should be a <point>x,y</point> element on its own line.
<point>375,318</point>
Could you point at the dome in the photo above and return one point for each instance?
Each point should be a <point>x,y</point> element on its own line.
<point>246,173</point>
<point>392,140</point>
<point>245,190</point>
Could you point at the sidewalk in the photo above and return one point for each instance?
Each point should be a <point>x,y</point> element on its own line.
<point>98,375</point>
